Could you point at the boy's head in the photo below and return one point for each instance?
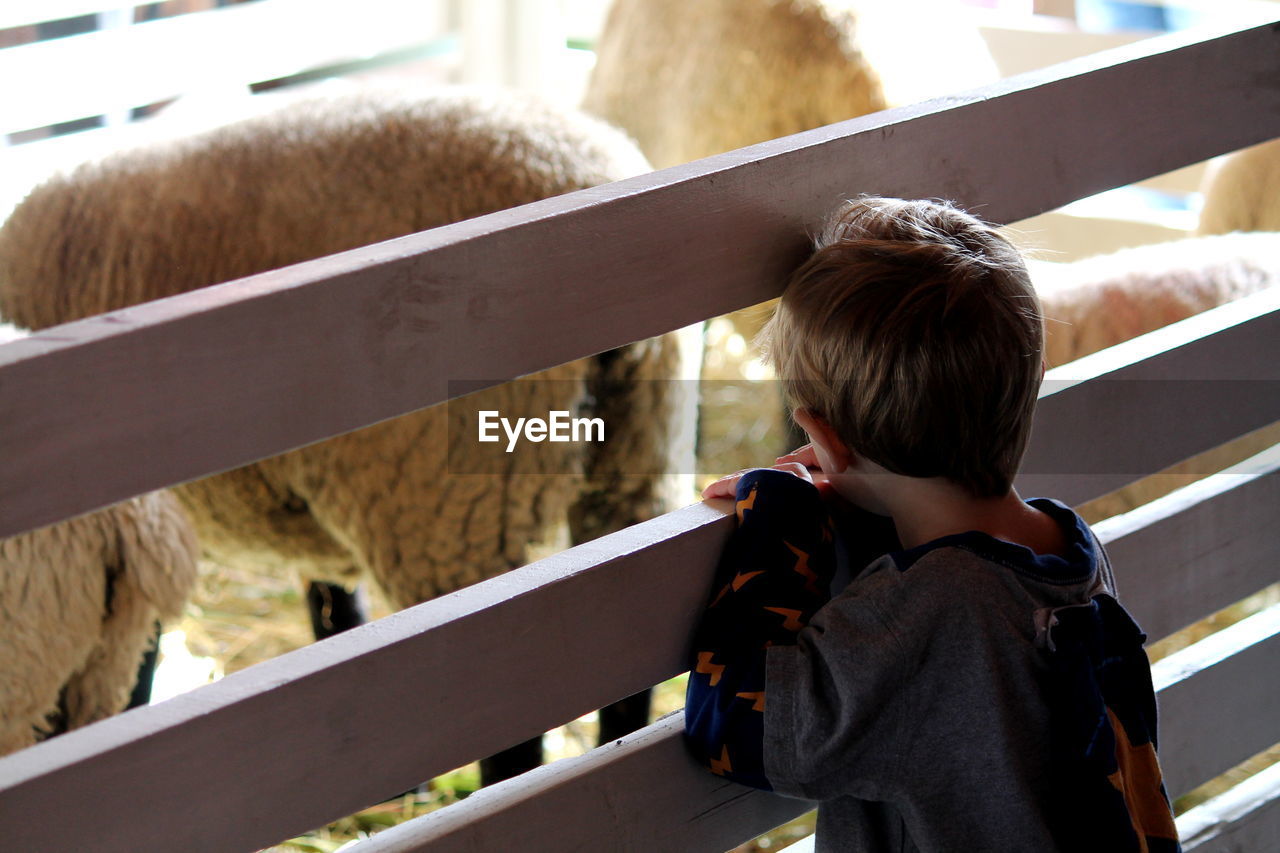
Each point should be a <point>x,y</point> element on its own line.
<point>914,332</point>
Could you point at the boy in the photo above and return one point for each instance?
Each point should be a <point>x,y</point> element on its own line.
<point>975,686</point>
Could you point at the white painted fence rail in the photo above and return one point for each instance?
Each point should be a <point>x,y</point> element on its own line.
<point>87,75</point>
<point>108,407</point>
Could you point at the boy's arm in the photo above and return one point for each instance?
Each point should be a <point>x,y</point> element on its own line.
<point>775,573</point>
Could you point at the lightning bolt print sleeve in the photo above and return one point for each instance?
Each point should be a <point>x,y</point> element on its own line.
<point>774,574</point>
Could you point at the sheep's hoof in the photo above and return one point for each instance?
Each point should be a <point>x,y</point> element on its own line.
<point>333,609</point>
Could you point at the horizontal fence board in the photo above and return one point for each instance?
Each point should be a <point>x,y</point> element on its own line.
<point>1258,830</point>
<point>1199,549</point>
<point>81,76</point>
<point>16,14</point>
<point>1147,406</point>
<point>377,709</point>
<point>1220,716</point>
<point>1241,820</point>
<point>642,794</point>
<point>603,267</point>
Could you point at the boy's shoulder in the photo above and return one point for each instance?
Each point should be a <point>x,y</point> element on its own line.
<point>1078,564</point>
<point>948,585</point>
<point>972,579</point>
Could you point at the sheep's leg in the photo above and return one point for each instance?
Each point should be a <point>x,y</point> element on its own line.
<point>141,694</point>
<point>520,758</point>
<point>624,717</point>
<point>333,609</point>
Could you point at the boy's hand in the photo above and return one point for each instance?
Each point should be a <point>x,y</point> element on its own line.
<point>802,462</point>
<point>805,455</point>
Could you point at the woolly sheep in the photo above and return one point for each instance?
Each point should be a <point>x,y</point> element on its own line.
<point>1101,301</point>
<point>310,180</point>
<point>79,603</point>
<point>1242,191</point>
<point>316,178</point>
<point>692,80</point>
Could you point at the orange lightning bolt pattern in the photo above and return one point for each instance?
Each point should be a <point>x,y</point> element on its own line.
<point>721,766</point>
<point>706,667</point>
<point>747,503</point>
<point>802,568</point>
<point>1137,777</point>
<point>757,699</point>
<point>791,618</point>
<point>736,584</point>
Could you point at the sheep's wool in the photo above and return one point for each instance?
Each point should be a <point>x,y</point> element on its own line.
<point>319,177</point>
<point>79,601</point>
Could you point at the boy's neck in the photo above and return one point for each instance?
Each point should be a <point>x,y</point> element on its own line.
<point>925,509</point>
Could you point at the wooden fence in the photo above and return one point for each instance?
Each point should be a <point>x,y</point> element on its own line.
<point>108,407</point>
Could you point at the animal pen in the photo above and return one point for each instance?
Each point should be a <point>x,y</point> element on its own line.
<point>112,406</point>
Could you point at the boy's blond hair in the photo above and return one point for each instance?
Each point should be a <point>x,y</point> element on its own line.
<point>914,331</point>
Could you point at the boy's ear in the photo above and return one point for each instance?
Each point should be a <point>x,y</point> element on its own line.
<point>823,436</point>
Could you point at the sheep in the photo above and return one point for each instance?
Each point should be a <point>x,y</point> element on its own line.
<point>692,80</point>
<point>1242,191</point>
<point>318,177</point>
<point>79,604</point>
<point>1101,301</point>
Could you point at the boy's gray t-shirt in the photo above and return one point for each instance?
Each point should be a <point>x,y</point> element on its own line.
<point>914,705</point>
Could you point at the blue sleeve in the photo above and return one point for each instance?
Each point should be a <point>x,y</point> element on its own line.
<point>775,573</point>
